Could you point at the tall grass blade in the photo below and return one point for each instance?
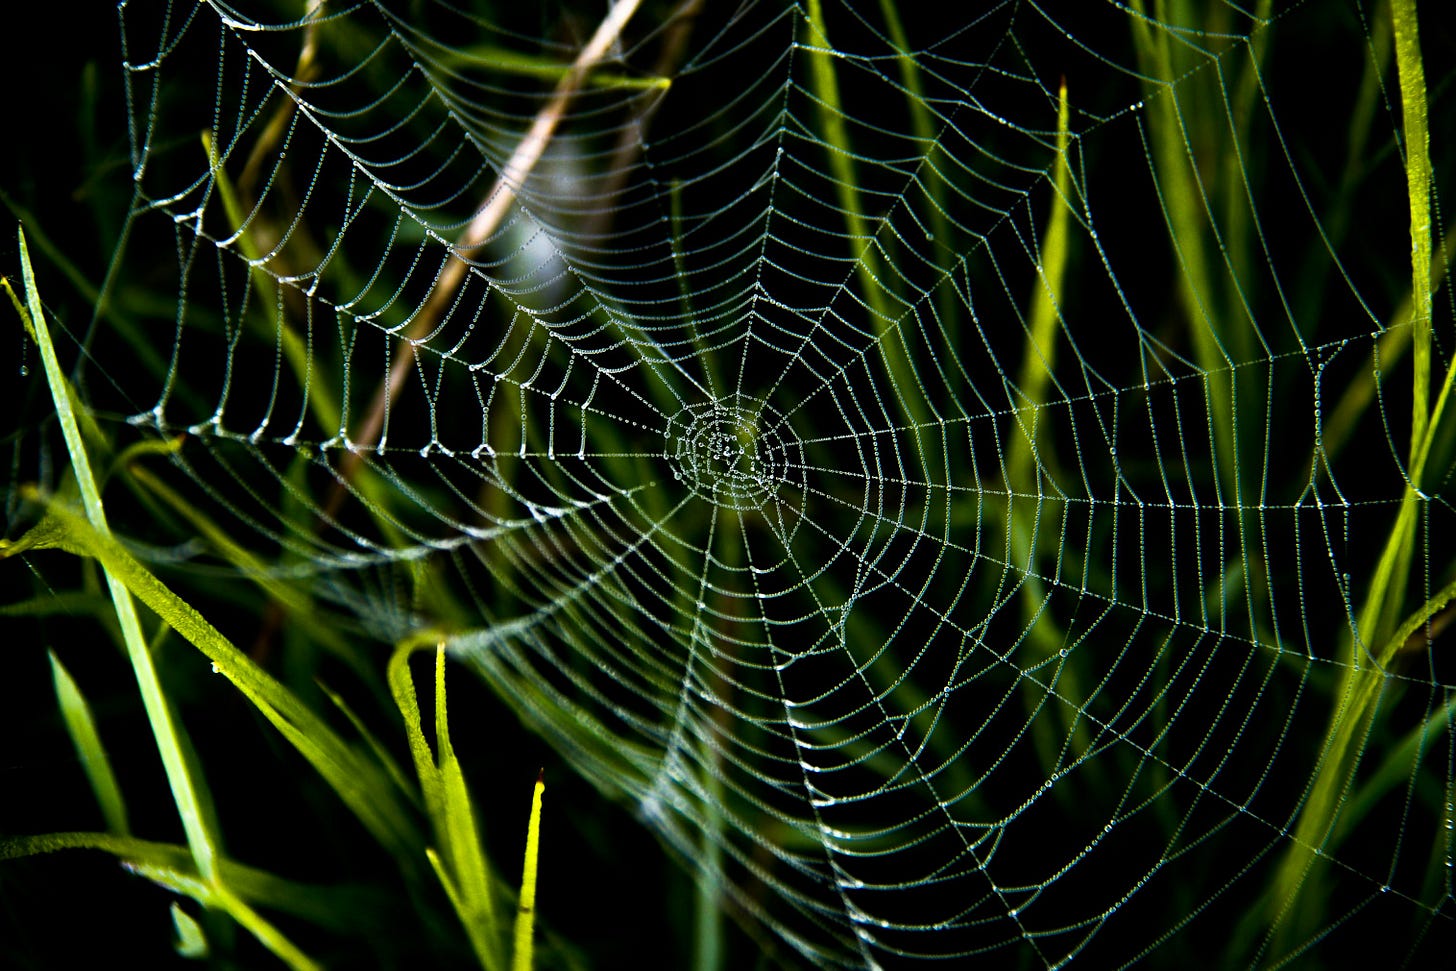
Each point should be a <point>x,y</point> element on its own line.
<point>523,959</point>
<point>357,780</point>
<point>159,714</point>
<point>1296,894</point>
<point>81,726</point>
<point>457,858</point>
<point>869,266</point>
<point>191,941</point>
<point>340,908</point>
<point>1410,67</point>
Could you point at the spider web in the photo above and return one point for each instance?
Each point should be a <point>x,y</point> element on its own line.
<point>950,527</point>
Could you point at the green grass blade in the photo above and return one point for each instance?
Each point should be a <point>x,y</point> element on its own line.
<point>358,781</point>
<point>1411,71</point>
<point>339,908</point>
<point>458,860</point>
<point>386,758</point>
<point>214,895</point>
<point>1295,893</point>
<point>164,729</point>
<point>81,726</point>
<point>402,687</point>
<point>1030,450</point>
<point>294,601</point>
<point>1046,299</point>
<point>523,959</point>
<point>864,248</point>
<point>191,941</point>
<point>467,858</point>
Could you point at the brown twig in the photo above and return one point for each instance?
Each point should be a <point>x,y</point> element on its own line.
<point>498,201</point>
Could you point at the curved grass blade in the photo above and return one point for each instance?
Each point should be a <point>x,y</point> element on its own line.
<point>81,726</point>
<point>526,912</point>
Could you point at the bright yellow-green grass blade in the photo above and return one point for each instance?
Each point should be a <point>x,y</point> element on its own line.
<point>340,908</point>
<point>458,858</point>
<point>526,912</point>
<point>191,941</point>
<point>81,726</point>
<point>1411,70</point>
<point>467,858</point>
<point>1296,892</point>
<point>1029,450</point>
<point>357,780</point>
<point>159,715</point>
<point>173,867</point>
<point>864,247</point>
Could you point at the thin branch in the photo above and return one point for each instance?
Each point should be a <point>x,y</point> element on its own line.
<point>497,203</point>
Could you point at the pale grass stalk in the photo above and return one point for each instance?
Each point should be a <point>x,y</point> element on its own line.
<point>498,202</point>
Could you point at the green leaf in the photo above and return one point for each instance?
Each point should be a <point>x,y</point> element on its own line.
<point>164,727</point>
<point>340,908</point>
<point>459,862</point>
<point>526,912</point>
<point>191,941</point>
<point>357,779</point>
<point>81,726</point>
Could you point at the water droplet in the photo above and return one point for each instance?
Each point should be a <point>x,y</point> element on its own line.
<point>25,370</point>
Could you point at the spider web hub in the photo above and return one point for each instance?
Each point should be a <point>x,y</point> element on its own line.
<point>735,454</point>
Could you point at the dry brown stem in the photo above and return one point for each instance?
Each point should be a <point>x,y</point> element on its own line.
<point>497,203</point>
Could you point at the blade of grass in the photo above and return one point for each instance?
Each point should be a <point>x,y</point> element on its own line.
<point>467,858</point>
<point>290,598</point>
<point>923,125</point>
<point>215,896</point>
<point>164,729</point>
<point>1030,449</point>
<point>1411,71</point>
<point>523,959</point>
<point>357,780</point>
<point>191,942</point>
<point>385,757</point>
<point>1376,639</point>
<point>335,907</point>
<point>868,267</point>
<point>459,861</point>
<point>81,726</point>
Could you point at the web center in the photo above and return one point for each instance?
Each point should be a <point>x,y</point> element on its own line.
<point>734,455</point>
